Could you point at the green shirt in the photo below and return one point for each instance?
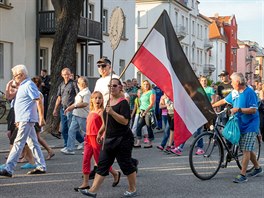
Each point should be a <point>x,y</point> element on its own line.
<point>145,100</point>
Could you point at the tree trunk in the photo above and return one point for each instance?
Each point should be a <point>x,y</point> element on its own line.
<point>67,13</point>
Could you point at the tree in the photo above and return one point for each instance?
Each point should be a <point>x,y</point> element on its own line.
<point>67,15</point>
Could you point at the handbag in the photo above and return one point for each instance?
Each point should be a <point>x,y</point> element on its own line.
<point>231,130</point>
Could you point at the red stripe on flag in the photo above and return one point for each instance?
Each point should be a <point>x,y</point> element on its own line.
<point>151,67</point>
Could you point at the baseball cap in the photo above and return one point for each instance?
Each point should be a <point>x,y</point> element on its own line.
<point>104,61</point>
<point>223,73</point>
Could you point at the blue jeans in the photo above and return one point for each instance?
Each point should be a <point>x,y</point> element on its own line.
<point>77,128</point>
<point>26,134</point>
<point>65,125</point>
<point>166,134</point>
<point>200,142</point>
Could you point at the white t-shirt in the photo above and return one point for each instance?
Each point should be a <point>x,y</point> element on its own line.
<point>82,96</point>
<point>102,86</point>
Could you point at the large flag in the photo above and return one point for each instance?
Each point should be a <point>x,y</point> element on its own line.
<point>161,58</point>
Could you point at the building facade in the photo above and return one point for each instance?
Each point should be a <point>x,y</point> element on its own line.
<point>29,40</point>
<point>190,26</point>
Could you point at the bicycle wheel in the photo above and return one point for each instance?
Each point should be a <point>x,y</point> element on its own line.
<point>2,110</point>
<point>256,150</point>
<point>206,166</point>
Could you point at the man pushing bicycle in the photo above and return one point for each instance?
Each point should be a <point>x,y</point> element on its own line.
<point>245,104</point>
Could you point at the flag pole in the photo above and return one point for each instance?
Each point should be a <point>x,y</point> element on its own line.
<point>109,90</point>
<point>116,26</point>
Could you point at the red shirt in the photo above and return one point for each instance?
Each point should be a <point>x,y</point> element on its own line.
<point>93,123</point>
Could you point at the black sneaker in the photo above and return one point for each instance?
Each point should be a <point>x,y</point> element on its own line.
<point>5,173</point>
<point>36,171</point>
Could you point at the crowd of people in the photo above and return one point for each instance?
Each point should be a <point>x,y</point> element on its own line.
<point>113,120</point>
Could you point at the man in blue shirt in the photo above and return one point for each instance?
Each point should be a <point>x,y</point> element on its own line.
<point>245,104</point>
<point>28,110</point>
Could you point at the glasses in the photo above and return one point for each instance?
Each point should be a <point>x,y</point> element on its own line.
<point>16,75</point>
<point>103,66</point>
<point>112,86</point>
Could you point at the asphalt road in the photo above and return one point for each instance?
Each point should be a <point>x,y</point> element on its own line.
<point>160,175</point>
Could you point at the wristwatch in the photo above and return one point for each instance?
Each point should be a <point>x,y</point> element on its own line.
<point>239,110</point>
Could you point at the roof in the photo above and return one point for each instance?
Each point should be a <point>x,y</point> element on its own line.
<point>214,31</point>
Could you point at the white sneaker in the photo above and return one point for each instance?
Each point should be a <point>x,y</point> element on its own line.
<point>80,146</point>
<point>63,149</point>
<point>67,152</point>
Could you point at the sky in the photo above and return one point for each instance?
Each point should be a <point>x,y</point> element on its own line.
<point>249,16</point>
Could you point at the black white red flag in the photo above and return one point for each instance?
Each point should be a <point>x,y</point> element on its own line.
<point>161,58</point>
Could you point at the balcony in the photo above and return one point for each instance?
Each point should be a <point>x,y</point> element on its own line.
<point>89,30</point>
<point>208,44</point>
<point>208,68</point>
<point>180,31</point>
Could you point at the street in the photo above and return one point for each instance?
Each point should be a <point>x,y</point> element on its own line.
<point>160,175</point>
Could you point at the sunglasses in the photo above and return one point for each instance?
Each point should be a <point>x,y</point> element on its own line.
<point>113,85</point>
<point>103,66</point>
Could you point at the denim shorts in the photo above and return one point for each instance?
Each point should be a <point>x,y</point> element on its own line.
<point>247,141</point>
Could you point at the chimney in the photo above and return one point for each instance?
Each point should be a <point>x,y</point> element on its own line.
<point>216,15</point>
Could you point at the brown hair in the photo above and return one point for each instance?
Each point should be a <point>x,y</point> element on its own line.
<point>37,80</point>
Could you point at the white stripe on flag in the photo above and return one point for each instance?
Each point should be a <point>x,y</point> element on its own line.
<point>183,104</point>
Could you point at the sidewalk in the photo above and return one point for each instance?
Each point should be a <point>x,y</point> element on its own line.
<point>53,142</point>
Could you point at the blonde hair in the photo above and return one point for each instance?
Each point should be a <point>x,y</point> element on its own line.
<point>93,96</point>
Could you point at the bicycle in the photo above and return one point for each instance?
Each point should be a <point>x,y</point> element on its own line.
<point>217,152</point>
<point>3,102</point>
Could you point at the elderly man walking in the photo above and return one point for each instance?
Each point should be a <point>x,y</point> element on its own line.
<point>245,104</point>
<point>28,110</point>
<point>67,91</point>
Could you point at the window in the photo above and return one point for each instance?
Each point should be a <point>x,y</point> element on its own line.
<point>205,32</point>
<point>186,24</point>
<point>201,31</point>
<point>182,21</point>
<point>142,19</point>
<point>90,65</point>
<point>124,29</point>
<point>176,19</point>
<point>43,5</point>
<point>1,60</point>
<point>198,31</point>
<point>105,21</point>
<point>43,59</point>
<point>193,27</point>
<point>84,12</point>
<point>91,12</point>
<point>122,67</point>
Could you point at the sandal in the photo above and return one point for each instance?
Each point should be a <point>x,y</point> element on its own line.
<point>50,155</point>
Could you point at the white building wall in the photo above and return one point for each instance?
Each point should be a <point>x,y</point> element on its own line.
<point>217,58</point>
<point>17,33</point>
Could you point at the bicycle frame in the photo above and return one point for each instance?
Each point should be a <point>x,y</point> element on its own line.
<point>231,153</point>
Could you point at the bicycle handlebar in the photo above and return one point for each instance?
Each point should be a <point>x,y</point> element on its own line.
<point>219,113</point>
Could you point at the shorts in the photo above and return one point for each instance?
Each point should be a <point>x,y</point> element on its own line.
<point>247,141</point>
